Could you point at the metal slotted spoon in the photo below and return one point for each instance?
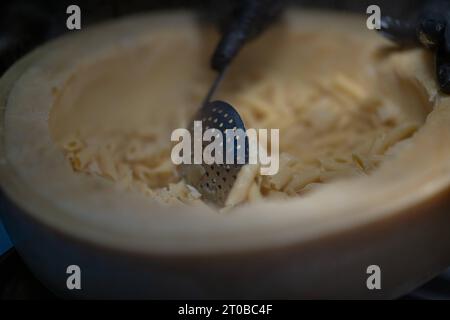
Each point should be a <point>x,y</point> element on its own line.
<point>245,21</point>
<point>215,181</point>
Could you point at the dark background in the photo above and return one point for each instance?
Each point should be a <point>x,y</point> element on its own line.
<point>25,24</point>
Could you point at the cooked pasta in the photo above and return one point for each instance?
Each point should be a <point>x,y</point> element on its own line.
<point>329,129</point>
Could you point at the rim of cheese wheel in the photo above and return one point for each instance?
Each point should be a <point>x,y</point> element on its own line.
<point>37,177</point>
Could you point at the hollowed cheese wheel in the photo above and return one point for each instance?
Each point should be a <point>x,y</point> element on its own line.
<point>127,245</point>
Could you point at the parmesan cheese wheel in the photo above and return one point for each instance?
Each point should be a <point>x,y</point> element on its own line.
<point>363,180</point>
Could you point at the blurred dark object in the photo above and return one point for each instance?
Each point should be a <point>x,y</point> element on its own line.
<point>246,20</point>
<point>240,21</point>
<point>429,28</point>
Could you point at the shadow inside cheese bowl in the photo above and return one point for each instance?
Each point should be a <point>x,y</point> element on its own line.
<point>363,168</point>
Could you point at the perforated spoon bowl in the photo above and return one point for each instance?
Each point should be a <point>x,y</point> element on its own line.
<point>215,181</point>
